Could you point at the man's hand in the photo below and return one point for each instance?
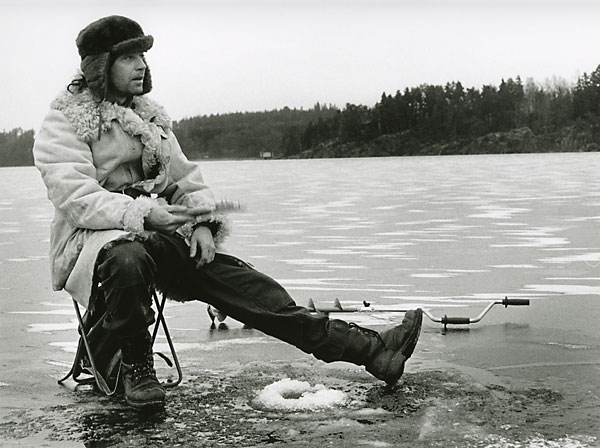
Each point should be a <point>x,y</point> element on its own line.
<point>202,243</point>
<point>167,218</point>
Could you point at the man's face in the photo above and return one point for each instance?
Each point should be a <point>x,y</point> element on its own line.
<point>126,76</point>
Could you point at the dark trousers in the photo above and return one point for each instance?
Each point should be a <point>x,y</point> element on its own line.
<point>128,272</point>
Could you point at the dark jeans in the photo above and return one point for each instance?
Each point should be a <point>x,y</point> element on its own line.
<point>128,271</point>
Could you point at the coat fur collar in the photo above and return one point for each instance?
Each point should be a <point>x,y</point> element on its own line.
<point>83,111</point>
<point>145,119</point>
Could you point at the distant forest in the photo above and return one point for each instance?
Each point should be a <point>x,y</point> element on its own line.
<point>15,147</point>
<point>427,119</point>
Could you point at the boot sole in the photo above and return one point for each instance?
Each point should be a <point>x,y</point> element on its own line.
<point>407,350</point>
<point>409,347</point>
<point>146,405</point>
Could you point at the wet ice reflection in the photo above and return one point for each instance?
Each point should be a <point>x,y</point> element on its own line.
<point>50,328</point>
<point>436,229</point>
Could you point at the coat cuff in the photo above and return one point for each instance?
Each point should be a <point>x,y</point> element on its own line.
<point>133,219</point>
<point>217,224</point>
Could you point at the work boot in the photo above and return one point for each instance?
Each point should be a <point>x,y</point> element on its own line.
<point>142,389</point>
<point>384,354</point>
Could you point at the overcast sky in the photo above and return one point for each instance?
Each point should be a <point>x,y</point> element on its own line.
<point>214,56</point>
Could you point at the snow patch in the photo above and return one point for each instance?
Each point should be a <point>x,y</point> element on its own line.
<point>294,395</point>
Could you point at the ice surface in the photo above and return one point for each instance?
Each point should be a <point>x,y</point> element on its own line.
<point>540,442</point>
<point>479,228</point>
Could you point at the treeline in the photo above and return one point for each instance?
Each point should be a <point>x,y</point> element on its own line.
<point>511,117</point>
<point>235,135</point>
<point>246,135</point>
<point>514,116</point>
<point>452,119</point>
<point>15,147</point>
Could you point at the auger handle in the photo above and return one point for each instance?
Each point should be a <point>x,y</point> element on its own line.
<point>515,302</point>
<point>472,320</point>
<point>456,320</point>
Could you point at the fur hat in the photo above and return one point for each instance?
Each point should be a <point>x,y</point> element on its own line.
<point>102,41</point>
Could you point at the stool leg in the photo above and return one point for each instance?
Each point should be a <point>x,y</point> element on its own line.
<point>160,320</point>
<point>100,381</point>
<point>70,372</point>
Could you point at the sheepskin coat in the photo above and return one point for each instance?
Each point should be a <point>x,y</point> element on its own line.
<point>86,177</point>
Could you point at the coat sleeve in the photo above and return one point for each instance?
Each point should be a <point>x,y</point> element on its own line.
<point>67,167</point>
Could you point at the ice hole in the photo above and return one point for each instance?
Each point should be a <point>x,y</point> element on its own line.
<point>294,395</point>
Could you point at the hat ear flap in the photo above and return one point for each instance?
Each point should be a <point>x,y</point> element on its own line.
<point>95,69</point>
<point>147,86</point>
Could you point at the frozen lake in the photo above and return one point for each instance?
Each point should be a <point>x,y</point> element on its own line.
<point>426,231</point>
<point>444,233</point>
<point>420,230</point>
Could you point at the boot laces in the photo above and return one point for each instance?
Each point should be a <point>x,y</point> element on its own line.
<point>143,369</point>
<point>367,331</point>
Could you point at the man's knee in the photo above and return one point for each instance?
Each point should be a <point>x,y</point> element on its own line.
<point>125,264</point>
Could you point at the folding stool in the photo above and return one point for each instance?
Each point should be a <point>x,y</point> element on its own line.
<point>108,354</point>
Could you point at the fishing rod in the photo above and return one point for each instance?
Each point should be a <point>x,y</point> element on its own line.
<point>367,307</point>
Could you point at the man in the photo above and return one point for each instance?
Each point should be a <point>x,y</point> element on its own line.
<point>132,214</point>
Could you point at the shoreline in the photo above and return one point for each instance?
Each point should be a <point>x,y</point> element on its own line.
<point>435,150</point>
